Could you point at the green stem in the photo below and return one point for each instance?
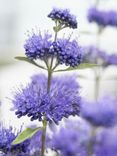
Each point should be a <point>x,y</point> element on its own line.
<point>43,137</point>
<point>33,62</point>
<point>46,63</point>
<point>97,70</point>
<point>55,66</point>
<point>50,71</point>
<point>49,80</point>
<point>55,37</point>
<point>97,85</point>
<point>44,120</point>
<point>91,143</point>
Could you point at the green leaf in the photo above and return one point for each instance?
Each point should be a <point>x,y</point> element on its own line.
<point>79,67</point>
<point>22,58</point>
<point>26,134</point>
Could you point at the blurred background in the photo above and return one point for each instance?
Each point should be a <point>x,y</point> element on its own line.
<point>18,17</point>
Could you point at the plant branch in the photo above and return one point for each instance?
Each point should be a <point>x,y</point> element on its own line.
<point>43,137</point>
<point>50,71</point>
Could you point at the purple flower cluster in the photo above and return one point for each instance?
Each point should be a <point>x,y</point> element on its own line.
<point>71,140</point>
<point>37,45</point>
<point>66,51</point>
<point>64,17</point>
<point>6,139</point>
<point>102,18</point>
<point>75,139</point>
<point>95,55</point>
<point>106,142</point>
<point>62,101</point>
<point>70,144</point>
<point>100,113</point>
<point>112,59</point>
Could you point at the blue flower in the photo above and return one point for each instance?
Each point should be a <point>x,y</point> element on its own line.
<point>66,141</point>
<point>71,139</point>
<point>112,59</point>
<point>95,55</point>
<point>91,54</point>
<point>42,47</point>
<point>106,142</point>
<point>6,138</point>
<point>100,113</point>
<point>64,17</point>
<point>102,18</point>
<point>37,46</point>
<point>62,101</point>
<point>97,16</point>
<point>68,52</point>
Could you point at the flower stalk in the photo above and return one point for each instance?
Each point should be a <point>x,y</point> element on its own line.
<point>52,52</point>
<point>91,142</point>
<point>97,72</point>
<point>50,71</point>
<point>44,120</point>
<point>43,137</point>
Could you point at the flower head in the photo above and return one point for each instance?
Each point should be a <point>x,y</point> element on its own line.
<point>66,141</point>
<point>100,113</point>
<point>112,59</point>
<point>68,52</point>
<point>37,45</point>
<point>95,55</point>
<point>64,17</point>
<point>102,18</point>
<point>6,138</point>
<point>62,101</point>
<point>64,50</point>
<point>71,139</point>
<point>106,142</point>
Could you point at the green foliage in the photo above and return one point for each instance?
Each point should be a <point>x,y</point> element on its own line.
<point>22,58</point>
<point>26,134</point>
<point>79,67</point>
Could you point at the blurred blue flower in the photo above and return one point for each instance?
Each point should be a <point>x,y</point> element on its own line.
<point>6,138</point>
<point>71,139</point>
<point>112,59</point>
<point>100,113</point>
<point>63,99</point>
<point>91,54</point>
<point>35,143</point>
<point>64,17</point>
<point>95,55</point>
<point>67,142</point>
<point>106,142</point>
<point>102,18</point>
